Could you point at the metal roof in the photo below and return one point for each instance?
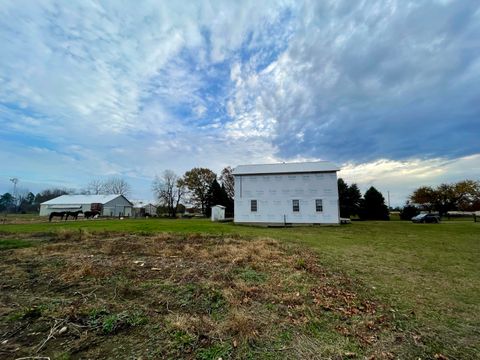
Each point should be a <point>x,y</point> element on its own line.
<point>142,203</point>
<point>77,206</point>
<point>81,199</point>
<point>286,168</point>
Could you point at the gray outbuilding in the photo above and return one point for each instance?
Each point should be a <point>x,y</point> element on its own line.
<point>144,208</point>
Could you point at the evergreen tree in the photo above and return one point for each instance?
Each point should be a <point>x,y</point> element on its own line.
<point>354,197</point>
<point>343,199</point>
<point>349,199</point>
<point>7,202</point>
<point>408,212</point>
<point>215,196</point>
<point>373,206</point>
<point>228,202</point>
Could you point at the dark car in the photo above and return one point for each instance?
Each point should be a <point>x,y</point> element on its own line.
<point>426,218</point>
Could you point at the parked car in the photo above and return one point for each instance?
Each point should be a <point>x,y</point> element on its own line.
<point>426,218</point>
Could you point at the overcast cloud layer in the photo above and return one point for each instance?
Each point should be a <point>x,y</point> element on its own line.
<point>92,89</point>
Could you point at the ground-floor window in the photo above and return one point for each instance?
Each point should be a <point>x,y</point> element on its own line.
<point>319,205</point>
<point>253,205</point>
<point>296,205</point>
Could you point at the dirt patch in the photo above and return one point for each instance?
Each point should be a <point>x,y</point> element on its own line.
<point>166,296</point>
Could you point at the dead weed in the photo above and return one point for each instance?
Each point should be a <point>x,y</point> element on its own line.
<point>192,293</point>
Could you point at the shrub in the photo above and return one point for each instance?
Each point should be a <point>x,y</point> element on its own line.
<point>408,212</point>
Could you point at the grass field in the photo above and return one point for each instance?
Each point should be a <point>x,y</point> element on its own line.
<point>383,289</point>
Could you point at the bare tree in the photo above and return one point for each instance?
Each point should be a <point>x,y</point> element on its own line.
<point>52,193</point>
<point>95,187</point>
<point>116,185</point>
<point>228,181</point>
<point>169,190</point>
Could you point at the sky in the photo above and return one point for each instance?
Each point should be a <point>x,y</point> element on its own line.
<point>388,90</point>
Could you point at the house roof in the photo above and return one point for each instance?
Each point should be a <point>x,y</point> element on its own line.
<point>81,199</point>
<point>286,168</point>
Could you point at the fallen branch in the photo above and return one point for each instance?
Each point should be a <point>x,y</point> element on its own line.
<point>53,330</point>
<point>86,296</point>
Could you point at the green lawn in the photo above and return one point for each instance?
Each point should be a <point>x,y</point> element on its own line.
<point>6,244</point>
<point>428,273</point>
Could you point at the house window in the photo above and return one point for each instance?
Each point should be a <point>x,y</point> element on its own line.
<point>253,205</point>
<point>296,205</point>
<point>318,205</point>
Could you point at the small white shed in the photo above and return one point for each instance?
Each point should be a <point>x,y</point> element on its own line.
<point>218,213</point>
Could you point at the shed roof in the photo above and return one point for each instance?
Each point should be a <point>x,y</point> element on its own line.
<point>142,203</point>
<point>286,168</point>
<point>81,199</point>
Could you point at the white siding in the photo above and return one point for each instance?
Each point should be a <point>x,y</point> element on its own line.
<point>46,209</point>
<point>117,207</point>
<point>275,195</point>
<point>218,213</point>
<point>113,205</point>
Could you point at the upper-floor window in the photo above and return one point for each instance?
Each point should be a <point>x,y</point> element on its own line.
<point>296,205</point>
<point>253,205</point>
<point>318,205</point>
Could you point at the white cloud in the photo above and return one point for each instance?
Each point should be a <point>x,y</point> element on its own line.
<point>402,177</point>
<point>368,80</point>
<point>89,88</point>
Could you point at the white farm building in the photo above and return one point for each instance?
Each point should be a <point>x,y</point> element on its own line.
<point>108,205</point>
<point>144,208</point>
<point>294,193</point>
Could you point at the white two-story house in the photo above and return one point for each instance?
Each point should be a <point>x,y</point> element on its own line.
<point>294,193</point>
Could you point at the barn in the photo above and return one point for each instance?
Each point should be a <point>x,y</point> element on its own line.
<point>108,205</point>
<point>144,208</point>
<point>286,193</point>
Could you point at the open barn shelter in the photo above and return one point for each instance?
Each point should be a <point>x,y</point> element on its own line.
<point>107,205</point>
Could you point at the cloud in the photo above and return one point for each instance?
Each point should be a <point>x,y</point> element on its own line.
<point>401,178</point>
<point>369,80</point>
<point>90,89</point>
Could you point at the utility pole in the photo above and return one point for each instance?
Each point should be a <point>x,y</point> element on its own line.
<point>388,193</point>
<point>14,181</point>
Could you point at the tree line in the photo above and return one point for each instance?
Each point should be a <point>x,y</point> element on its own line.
<point>370,206</point>
<point>459,196</point>
<point>200,187</point>
<point>25,201</point>
<point>462,196</point>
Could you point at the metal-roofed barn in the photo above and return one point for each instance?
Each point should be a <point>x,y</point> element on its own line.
<point>144,208</point>
<point>287,193</point>
<point>108,205</point>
